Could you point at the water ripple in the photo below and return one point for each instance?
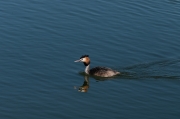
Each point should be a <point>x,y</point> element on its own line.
<point>154,70</point>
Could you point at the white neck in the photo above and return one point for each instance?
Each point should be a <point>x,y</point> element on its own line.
<point>87,69</point>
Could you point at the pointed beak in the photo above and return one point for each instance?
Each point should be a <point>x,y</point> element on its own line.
<point>77,61</point>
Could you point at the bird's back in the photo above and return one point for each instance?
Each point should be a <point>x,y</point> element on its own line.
<point>103,72</point>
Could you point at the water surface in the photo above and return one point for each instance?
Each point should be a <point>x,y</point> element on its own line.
<point>41,39</point>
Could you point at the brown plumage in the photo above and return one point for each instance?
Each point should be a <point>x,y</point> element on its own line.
<point>97,71</point>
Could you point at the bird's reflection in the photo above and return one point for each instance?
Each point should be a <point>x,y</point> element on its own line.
<point>85,86</point>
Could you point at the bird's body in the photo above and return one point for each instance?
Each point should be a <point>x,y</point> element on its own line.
<point>96,71</point>
<point>103,72</point>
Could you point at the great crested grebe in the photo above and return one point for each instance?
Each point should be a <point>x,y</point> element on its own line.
<point>97,71</point>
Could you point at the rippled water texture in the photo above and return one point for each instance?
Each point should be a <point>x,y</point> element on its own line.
<point>41,39</point>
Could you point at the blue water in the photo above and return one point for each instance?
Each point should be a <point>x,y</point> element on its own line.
<point>41,39</point>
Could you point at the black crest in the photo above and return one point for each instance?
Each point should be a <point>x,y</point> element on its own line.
<point>83,56</point>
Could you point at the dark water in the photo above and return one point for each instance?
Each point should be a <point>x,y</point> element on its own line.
<point>41,39</point>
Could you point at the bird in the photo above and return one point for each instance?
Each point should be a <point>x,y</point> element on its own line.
<point>96,71</point>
